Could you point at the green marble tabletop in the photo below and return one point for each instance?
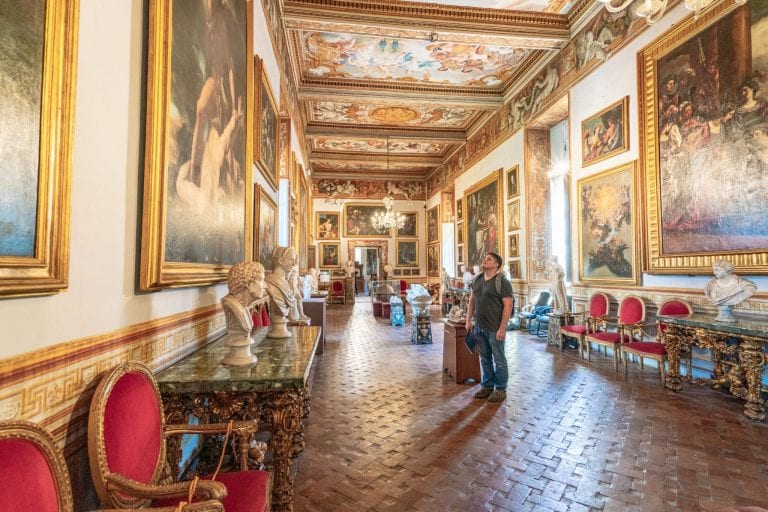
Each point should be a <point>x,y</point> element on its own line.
<point>742,327</point>
<point>283,363</point>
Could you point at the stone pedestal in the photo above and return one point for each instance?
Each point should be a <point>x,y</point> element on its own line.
<point>421,332</point>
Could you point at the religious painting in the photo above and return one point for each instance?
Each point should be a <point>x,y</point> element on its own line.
<point>327,225</point>
<point>460,209</point>
<point>433,260</point>
<point>266,126</point>
<point>264,226</point>
<point>197,175</point>
<point>358,220</point>
<point>311,256</point>
<point>512,179</point>
<point>606,133</point>
<point>483,225</point>
<point>707,139</point>
<point>305,217</point>
<point>38,62</point>
<point>433,224</point>
<point>330,254</point>
<point>460,253</point>
<point>513,245</point>
<point>514,269</point>
<point>460,234</point>
<point>411,226</point>
<point>607,227</point>
<point>513,216</point>
<point>407,253</point>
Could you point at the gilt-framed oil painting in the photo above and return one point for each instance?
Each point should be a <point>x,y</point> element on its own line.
<point>460,209</point>
<point>606,133</point>
<point>514,267</point>
<point>433,224</point>
<point>327,225</point>
<point>196,218</point>
<point>483,228</point>
<point>266,134</point>
<point>460,254</point>
<point>411,227</point>
<point>608,241</point>
<point>264,226</point>
<point>358,221</point>
<point>513,216</point>
<point>406,253</point>
<point>703,103</point>
<point>433,260</point>
<point>512,180</point>
<point>330,254</point>
<point>513,245</point>
<point>38,63</point>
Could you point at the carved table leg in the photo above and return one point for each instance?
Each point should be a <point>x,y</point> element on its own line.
<point>286,421</point>
<point>674,341</point>
<point>752,360</point>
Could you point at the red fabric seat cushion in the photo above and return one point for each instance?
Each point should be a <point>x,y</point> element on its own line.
<point>647,347</point>
<point>606,337</point>
<point>246,491</point>
<point>576,330</point>
<point>132,428</point>
<point>27,479</point>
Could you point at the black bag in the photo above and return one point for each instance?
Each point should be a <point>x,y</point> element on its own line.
<point>470,341</point>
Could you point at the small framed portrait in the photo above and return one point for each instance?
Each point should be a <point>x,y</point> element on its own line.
<point>460,234</point>
<point>459,209</point>
<point>605,134</point>
<point>397,272</point>
<point>513,245</point>
<point>406,271</point>
<point>511,179</point>
<point>460,254</point>
<point>514,269</point>
<point>513,216</point>
<point>330,254</point>
<point>433,224</point>
<point>327,225</point>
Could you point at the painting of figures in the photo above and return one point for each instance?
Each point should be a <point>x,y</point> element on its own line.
<point>411,226</point>
<point>329,254</point>
<point>513,248</point>
<point>38,60</point>
<point>512,179</point>
<point>266,126</point>
<point>483,223</point>
<point>459,209</point>
<point>407,253</point>
<point>605,134</point>
<point>607,225</point>
<point>197,139</point>
<point>264,225</point>
<point>327,225</point>
<point>513,216</point>
<point>433,260</point>
<point>433,224</point>
<point>514,269</point>
<point>705,104</point>
<point>358,220</point>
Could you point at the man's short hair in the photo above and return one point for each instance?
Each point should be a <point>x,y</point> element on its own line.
<point>497,258</point>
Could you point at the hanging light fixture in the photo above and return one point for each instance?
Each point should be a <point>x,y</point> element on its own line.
<point>653,10</point>
<point>388,219</point>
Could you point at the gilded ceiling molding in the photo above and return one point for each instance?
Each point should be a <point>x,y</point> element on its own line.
<point>452,135</point>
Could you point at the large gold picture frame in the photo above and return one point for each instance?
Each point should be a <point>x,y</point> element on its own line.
<point>330,254</point>
<point>705,157</point>
<point>483,227</point>
<point>194,221</point>
<point>34,252</point>
<point>358,223</point>
<point>266,139</point>
<point>606,133</point>
<point>406,253</point>
<point>608,228</point>
<point>327,225</point>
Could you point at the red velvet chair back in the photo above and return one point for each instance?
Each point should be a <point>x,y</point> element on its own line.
<point>631,310</point>
<point>673,307</point>
<point>403,285</point>
<point>125,429</point>
<point>33,473</point>
<point>598,305</point>
<point>337,287</point>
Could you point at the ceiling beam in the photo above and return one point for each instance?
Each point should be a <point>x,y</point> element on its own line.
<point>393,96</point>
<point>384,131</point>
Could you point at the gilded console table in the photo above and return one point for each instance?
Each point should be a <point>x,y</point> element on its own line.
<point>745,340</point>
<point>273,390</point>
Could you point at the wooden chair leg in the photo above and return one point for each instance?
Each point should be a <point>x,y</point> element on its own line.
<point>626,363</point>
<point>661,371</point>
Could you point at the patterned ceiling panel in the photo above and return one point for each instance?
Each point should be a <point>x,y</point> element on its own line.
<point>370,166</point>
<point>354,57</point>
<point>379,146</point>
<point>378,114</point>
<point>559,6</point>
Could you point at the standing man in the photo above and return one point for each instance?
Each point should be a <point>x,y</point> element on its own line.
<point>490,302</point>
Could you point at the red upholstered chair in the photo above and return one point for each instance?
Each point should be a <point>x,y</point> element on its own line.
<point>656,349</point>
<point>592,319</point>
<point>127,450</point>
<point>629,324</point>
<point>403,288</point>
<point>34,474</point>
<point>337,292</point>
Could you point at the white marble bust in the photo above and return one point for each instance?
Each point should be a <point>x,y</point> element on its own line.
<point>296,313</point>
<point>281,295</point>
<point>246,288</point>
<point>727,289</point>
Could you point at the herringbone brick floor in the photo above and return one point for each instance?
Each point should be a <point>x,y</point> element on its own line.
<point>388,431</point>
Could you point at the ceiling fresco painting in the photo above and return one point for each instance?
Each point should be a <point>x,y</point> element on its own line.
<point>377,146</point>
<point>368,189</point>
<point>407,115</point>
<point>369,165</point>
<point>359,57</point>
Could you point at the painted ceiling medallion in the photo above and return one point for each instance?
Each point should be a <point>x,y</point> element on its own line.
<point>394,115</point>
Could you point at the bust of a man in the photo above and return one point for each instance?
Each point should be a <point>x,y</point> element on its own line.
<point>727,289</point>
<point>313,273</point>
<point>281,295</point>
<point>246,288</point>
<point>297,311</point>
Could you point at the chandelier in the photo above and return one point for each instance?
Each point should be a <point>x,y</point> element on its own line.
<point>388,219</point>
<point>653,10</point>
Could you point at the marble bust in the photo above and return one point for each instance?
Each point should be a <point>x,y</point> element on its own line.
<point>282,298</point>
<point>727,290</point>
<point>466,277</point>
<point>313,277</point>
<point>296,314</point>
<point>246,288</point>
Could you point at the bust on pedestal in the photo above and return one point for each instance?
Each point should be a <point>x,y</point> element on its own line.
<point>727,290</point>
<point>281,295</point>
<point>246,289</point>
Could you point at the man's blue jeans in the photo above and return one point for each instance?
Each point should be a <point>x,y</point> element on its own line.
<point>492,359</point>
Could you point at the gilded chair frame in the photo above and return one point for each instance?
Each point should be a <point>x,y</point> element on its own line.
<point>591,323</point>
<point>120,492</point>
<point>660,338</point>
<point>626,331</point>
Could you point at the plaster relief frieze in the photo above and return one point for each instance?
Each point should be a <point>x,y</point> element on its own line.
<point>368,189</point>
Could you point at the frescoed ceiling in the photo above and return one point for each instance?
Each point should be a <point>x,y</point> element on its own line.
<point>393,88</point>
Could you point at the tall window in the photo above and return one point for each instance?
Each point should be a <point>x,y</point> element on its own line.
<point>559,204</point>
